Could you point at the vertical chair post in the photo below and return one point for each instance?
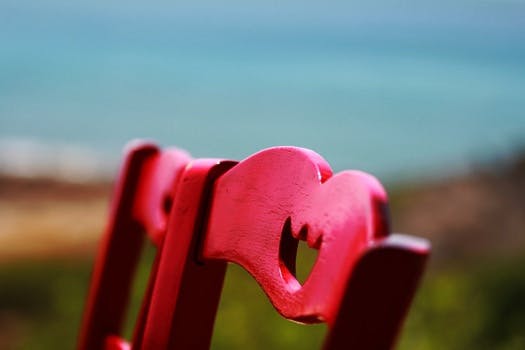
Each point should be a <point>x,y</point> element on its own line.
<point>146,177</point>
<point>378,295</point>
<point>187,290</point>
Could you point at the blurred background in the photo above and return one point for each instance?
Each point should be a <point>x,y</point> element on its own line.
<point>429,96</point>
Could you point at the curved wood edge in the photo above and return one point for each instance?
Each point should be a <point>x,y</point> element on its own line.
<point>156,188</point>
<point>341,215</point>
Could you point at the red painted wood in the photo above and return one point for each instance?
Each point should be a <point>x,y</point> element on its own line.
<point>338,215</point>
<point>186,290</point>
<point>253,214</point>
<point>116,343</point>
<point>148,176</point>
<point>361,284</point>
<point>364,278</point>
<point>378,294</point>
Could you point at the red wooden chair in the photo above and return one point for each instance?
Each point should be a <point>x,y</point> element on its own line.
<point>143,195</point>
<point>254,213</point>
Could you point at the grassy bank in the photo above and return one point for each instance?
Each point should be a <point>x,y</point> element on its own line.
<point>479,306</point>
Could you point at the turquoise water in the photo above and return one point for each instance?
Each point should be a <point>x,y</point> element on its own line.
<point>400,90</point>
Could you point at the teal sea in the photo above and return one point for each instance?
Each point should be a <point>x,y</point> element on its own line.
<point>398,89</point>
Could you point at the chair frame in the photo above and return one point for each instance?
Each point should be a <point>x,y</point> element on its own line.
<point>254,213</point>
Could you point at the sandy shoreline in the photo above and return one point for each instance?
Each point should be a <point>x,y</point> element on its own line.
<point>42,218</point>
<point>479,214</point>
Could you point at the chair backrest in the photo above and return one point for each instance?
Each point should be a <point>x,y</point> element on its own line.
<point>253,214</point>
<point>143,195</point>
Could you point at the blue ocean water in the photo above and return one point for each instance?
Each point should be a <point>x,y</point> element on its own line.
<point>398,89</point>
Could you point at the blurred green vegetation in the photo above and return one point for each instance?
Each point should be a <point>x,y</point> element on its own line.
<point>477,305</point>
<point>41,302</point>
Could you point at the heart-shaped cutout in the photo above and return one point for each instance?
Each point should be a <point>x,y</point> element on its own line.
<point>296,258</point>
<point>267,203</point>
